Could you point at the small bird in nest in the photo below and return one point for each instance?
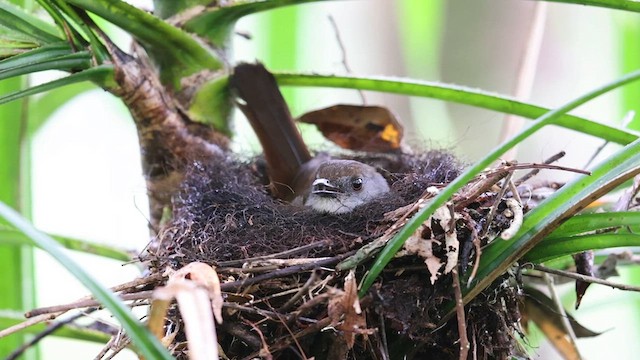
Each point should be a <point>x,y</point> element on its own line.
<point>321,183</point>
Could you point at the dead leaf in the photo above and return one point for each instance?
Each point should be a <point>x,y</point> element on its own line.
<point>584,266</point>
<point>540,309</point>
<point>196,288</point>
<point>356,127</point>
<point>421,244</point>
<point>345,312</point>
<point>204,275</point>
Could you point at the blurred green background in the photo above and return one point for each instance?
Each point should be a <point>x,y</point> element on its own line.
<point>85,166</point>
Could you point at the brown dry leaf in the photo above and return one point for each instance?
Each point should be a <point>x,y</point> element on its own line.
<point>206,276</point>
<point>539,308</point>
<point>196,289</point>
<point>421,245</point>
<point>357,127</point>
<point>345,312</point>
<point>584,265</point>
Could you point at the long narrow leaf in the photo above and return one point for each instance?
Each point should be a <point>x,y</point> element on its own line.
<point>580,224</point>
<point>178,52</point>
<point>36,55</point>
<point>458,94</point>
<point>412,225</point>
<point>77,61</point>
<point>10,318</point>
<point>102,75</point>
<point>547,216</point>
<point>144,341</point>
<point>549,249</point>
<point>628,5</point>
<point>216,23</point>
<point>9,236</point>
<point>26,24</point>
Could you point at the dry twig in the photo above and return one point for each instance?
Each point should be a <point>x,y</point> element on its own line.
<point>586,278</point>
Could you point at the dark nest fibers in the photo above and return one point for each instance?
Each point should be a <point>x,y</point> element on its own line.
<point>278,263</point>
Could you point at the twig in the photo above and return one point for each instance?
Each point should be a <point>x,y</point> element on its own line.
<point>235,285</point>
<point>36,339</point>
<point>29,322</point>
<point>522,166</point>
<point>535,172</point>
<point>585,278</point>
<point>282,254</point>
<point>105,349</point>
<point>625,122</point>
<point>566,323</point>
<point>138,282</point>
<point>384,345</point>
<point>462,323</point>
<point>120,344</point>
<point>141,295</point>
<point>526,73</point>
<point>494,207</point>
<point>343,51</point>
<point>310,281</point>
<point>286,341</point>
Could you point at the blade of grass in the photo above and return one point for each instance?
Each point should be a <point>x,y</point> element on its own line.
<point>458,94</point>
<point>627,5</point>
<point>11,318</point>
<point>76,61</point>
<point>422,215</point>
<point>102,75</point>
<point>42,53</point>
<point>543,219</point>
<point>178,53</point>
<point>15,261</point>
<point>26,24</point>
<point>549,249</point>
<point>14,237</point>
<point>580,224</point>
<point>146,344</point>
<point>217,23</point>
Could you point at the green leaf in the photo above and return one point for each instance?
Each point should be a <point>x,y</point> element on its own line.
<point>14,237</point>
<point>216,23</point>
<point>76,61</point>
<point>12,43</point>
<point>458,94</point>
<point>549,249</point>
<point>580,224</point>
<point>147,345</point>
<point>10,318</point>
<point>494,268</point>
<point>628,5</point>
<point>26,24</point>
<point>16,262</point>
<point>177,53</point>
<point>212,104</point>
<point>42,53</point>
<point>102,75</point>
<point>563,204</point>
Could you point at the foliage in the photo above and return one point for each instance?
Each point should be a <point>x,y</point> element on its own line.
<point>78,47</point>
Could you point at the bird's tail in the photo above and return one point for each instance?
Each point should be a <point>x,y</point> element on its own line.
<point>265,108</point>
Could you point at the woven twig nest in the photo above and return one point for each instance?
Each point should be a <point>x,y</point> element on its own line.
<point>288,274</point>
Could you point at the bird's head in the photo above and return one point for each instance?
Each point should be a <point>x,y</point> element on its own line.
<point>342,185</point>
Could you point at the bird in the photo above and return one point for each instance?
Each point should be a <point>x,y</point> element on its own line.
<point>324,184</point>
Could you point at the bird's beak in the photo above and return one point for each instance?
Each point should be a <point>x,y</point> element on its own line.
<point>323,187</point>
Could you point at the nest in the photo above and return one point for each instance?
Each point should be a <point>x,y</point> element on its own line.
<point>288,273</point>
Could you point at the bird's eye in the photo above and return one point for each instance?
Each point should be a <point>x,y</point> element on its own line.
<point>357,184</point>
